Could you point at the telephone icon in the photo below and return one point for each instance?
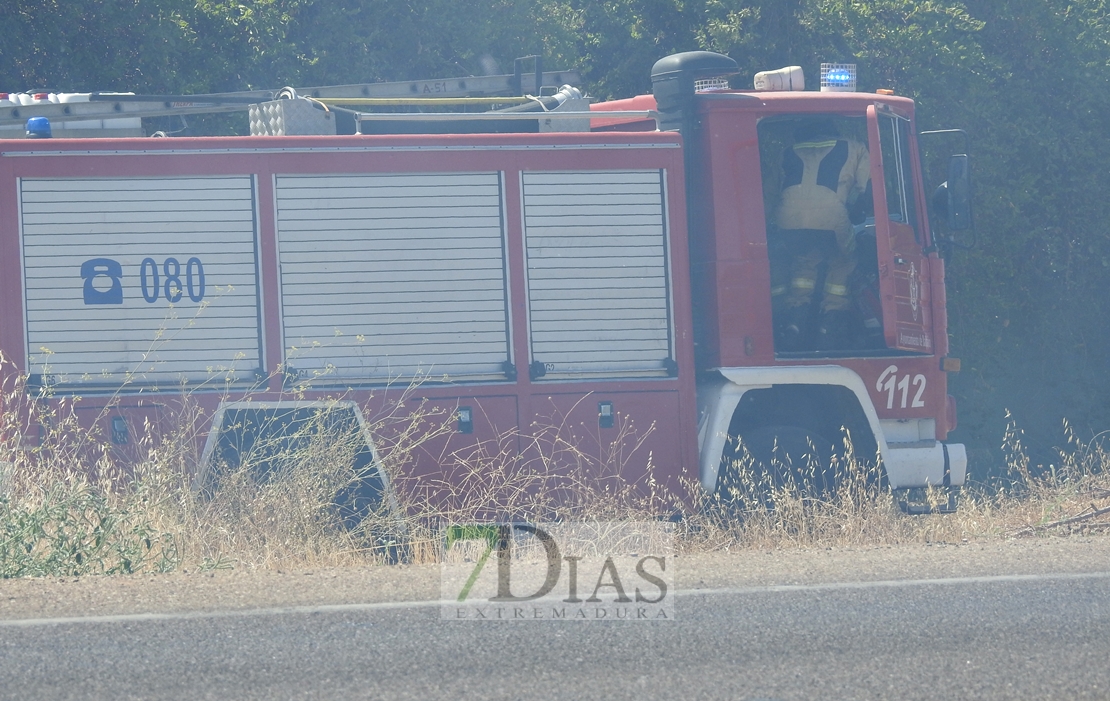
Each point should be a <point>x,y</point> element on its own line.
<point>106,267</point>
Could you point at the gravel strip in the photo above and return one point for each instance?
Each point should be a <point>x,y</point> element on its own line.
<point>249,589</point>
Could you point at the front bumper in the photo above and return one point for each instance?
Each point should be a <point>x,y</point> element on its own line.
<point>931,464</point>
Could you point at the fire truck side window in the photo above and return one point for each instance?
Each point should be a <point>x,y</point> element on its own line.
<point>820,232</point>
<point>894,135</point>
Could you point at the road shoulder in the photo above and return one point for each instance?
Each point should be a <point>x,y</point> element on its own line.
<point>245,590</point>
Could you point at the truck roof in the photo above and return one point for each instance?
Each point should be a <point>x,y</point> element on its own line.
<point>772,101</point>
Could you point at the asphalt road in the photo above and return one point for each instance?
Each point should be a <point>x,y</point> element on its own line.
<point>993,637</point>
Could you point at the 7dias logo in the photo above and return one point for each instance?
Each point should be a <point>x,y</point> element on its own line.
<point>601,571</point>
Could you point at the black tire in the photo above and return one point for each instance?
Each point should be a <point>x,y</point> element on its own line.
<point>763,460</point>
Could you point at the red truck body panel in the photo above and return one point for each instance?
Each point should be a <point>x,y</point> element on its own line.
<point>656,415</point>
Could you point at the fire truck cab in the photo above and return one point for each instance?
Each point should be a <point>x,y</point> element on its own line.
<point>882,374</point>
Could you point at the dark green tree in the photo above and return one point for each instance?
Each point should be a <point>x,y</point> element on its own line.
<point>1028,79</point>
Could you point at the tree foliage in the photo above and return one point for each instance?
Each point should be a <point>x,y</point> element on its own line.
<point>1028,79</point>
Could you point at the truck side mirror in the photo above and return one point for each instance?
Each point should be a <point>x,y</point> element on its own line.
<point>957,205</point>
<point>939,202</point>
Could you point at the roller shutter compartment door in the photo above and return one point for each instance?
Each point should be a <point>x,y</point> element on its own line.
<point>140,281</point>
<point>387,276</point>
<point>598,287</point>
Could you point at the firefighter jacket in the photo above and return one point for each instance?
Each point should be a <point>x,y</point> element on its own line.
<point>820,179</point>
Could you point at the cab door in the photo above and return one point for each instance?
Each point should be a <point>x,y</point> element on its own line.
<point>903,264</point>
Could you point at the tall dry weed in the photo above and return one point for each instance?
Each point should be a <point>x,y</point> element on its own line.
<point>539,474</point>
<point>70,506</point>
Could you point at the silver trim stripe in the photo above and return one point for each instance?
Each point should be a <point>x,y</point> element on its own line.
<point>349,149</point>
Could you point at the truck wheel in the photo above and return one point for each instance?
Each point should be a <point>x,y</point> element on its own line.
<point>787,458</point>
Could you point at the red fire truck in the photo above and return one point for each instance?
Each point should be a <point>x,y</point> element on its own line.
<point>610,279</point>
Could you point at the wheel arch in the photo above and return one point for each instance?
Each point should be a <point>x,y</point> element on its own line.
<point>720,400</point>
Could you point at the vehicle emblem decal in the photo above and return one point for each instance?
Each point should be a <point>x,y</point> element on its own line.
<point>915,290</point>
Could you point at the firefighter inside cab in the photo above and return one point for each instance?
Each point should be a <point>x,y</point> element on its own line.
<point>822,251</point>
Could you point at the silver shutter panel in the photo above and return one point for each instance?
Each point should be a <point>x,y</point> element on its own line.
<point>97,315</point>
<point>390,276</point>
<point>598,289</point>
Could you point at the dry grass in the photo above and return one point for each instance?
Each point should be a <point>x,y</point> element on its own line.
<point>541,474</point>
<point>1071,496</point>
<point>68,507</point>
